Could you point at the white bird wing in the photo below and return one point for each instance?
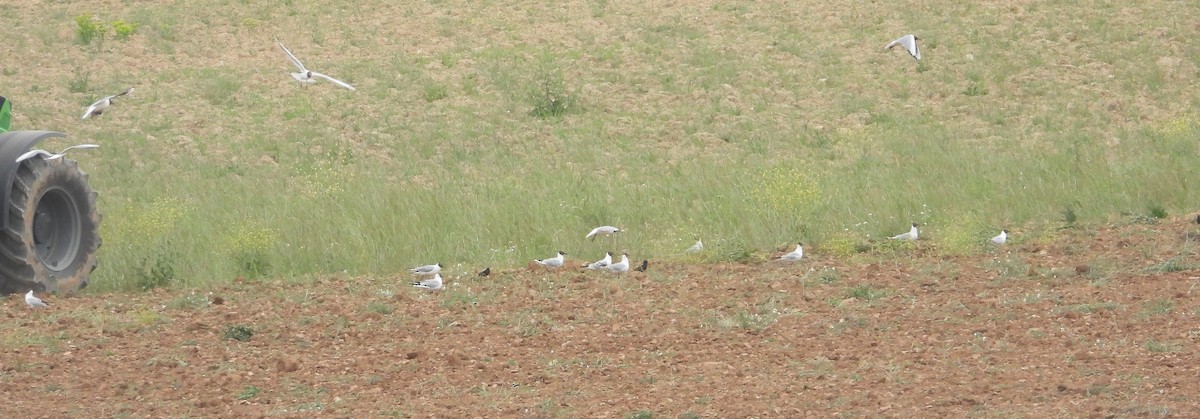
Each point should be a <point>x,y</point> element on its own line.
<point>79,146</point>
<point>295,60</point>
<point>31,153</point>
<point>909,42</point>
<point>34,301</point>
<point>97,105</point>
<point>793,255</point>
<point>303,77</point>
<point>335,81</point>
<point>431,283</point>
<point>696,247</point>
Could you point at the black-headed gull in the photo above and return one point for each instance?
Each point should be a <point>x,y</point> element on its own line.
<point>1000,238</point>
<point>52,156</point>
<point>486,271</point>
<point>794,255</point>
<point>427,269</point>
<point>305,75</point>
<point>696,248</point>
<point>620,267</point>
<point>910,235</point>
<point>103,104</point>
<point>909,42</point>
<point>642,268</point>
<point>33,301</point>
<point>602,231</point>
<point>434,283</point>
<point>553,262</point>
<point>600,264</point>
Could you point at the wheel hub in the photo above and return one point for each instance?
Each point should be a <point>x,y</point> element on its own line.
<point>56,229</point>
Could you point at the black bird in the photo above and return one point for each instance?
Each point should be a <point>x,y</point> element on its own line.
<point>1197,218</point>
<point>645,264</point>
<point>486,271</point>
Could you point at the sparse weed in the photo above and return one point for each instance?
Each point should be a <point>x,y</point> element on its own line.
<point>189,302</point>
<point>975,89</point>
<point>79,81</point>
<point>1174,264</point>
<point>1159,307</point>
<point>866,293</point>
<point>1157,211</point>
<point>1157,346</point>
<point>641,414</point>
<point>1069,216</point>
<point>433,92</point>
<point>730,250</point>
<point>239,333</point>
<point>548,93</point>
<point>1008,267</point>
<point>220,88</point>
<point>250,246</point>
<point>249,392</point>
<point>962,235</point>
<point>1088,307</point>
<point>844,244</point>
<point>159,272</point>
<point>786,193</point>
<point>457,297</point>
<point>378,307</point>
<point>764,315</point>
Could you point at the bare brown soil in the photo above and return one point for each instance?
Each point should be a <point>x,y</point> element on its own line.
<point>1087,325</point>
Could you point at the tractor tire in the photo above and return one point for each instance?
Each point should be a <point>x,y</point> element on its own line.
<point>53,229</point>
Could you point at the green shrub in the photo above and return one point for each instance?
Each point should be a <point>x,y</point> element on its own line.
<point>89,28</point>
<point>123,29</point>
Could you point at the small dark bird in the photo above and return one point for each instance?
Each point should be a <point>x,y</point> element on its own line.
<point>1197,218</point>
<point>486,271</point>
<point>642,268</point>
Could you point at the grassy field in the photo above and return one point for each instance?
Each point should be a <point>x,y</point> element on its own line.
<point>488,133</point>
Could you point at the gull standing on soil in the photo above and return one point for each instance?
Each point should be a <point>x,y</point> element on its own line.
<point>305,75</point>
<point>52,156</point>
<point>427,269</point>
<point>553,262</point>
<point>602,231</point>
<point>910,235</point>
<point>644,266</point>
<point>600,264</point>
<point>103,104</point>
<point>434,283</point>
<point>909,42</point>
<point>1000,238</point>
<point>620,267</point>
<point>794,255</point>
<point>486,271</point>
<point>696,248</point>
<point>34,302</point>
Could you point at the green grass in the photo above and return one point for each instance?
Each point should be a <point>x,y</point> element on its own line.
<point>707,120</point>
